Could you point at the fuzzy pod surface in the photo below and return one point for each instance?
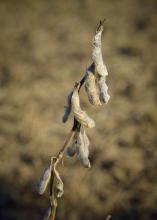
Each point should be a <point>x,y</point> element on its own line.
<point>42,184</point>
<point>91,88</point>
<point>80,115</point>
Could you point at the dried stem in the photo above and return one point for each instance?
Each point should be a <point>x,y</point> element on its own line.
<point>56,160</point>
<point>53,202</point>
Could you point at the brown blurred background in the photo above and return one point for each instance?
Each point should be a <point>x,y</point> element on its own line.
<point>45,47</point>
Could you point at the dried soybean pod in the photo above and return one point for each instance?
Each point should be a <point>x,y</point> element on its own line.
<point>82,151</point>
<point>97,52</point>
<point>85,138</point>
<point>59,184</point>
<point>42,184</point>
<point>103,89</point>
<point>67,109</point>
<point>80,115</point>
<point>71,150</point>
<point>90,87</point>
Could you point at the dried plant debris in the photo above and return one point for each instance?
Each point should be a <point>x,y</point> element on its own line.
<point>91,87</point>
<point>59,183</point>
<point>103,89</point>
<point>97,52</point>
<point>80,115</point>
<point>67,109</point>
<point>42,184</point>
<point>82,149</point>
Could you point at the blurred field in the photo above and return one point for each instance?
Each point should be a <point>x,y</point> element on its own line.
<point>45,47</point>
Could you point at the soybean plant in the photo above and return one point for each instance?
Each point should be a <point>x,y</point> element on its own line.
<point>77,142</point>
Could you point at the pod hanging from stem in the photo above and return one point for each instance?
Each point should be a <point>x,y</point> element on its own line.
<point>80,115</point>
<point>97,52</point>
<point>100,67</point>
<point>90,86</point>
<point>103,89</point>
<point>71,149</point>
<point>59,183</point>
<point>82,149</point>
<point>42,184</point>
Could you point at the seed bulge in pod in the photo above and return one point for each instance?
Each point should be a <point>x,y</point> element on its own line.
<point>71,150</point>
<point>97,57</point>
<point>85,138</point>
<point>103,89</point>
<point>80,115</point>
<point>42,184</point>
<point>82,151</point>
<point>84,119</point>
<point>91,89</point>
